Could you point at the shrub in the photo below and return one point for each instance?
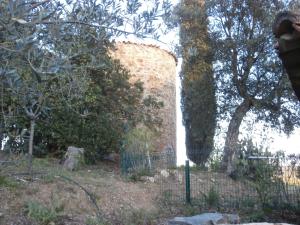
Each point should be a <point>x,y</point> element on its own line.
<point>212,198</point>
<point>139,144</point>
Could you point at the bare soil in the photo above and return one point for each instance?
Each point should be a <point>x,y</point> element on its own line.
<point>118,198</point>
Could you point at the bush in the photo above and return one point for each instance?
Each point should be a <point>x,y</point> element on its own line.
<point>212,199</point>
<point>139,144</point>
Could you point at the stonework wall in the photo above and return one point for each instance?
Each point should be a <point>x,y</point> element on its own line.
<point>156,68</point>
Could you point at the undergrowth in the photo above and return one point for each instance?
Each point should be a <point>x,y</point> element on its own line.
<point>8,183</point>
<point>43,214</point>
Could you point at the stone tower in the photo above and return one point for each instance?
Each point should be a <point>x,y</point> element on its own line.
<point>156,68</point>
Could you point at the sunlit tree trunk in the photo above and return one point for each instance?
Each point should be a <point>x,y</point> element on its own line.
<point>231,141</point>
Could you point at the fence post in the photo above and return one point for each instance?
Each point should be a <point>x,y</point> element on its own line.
<point>187,182</point>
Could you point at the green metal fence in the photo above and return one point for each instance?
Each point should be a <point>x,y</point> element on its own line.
<point>257,181</point>
<point>131,162</point>
<point>268,182</point>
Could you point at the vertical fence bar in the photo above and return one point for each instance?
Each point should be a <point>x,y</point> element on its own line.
<point>187,182</point>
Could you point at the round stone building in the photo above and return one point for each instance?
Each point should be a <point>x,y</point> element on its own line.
<point>156,68</point>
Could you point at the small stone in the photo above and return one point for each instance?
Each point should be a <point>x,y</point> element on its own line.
<point>206,219</point>
<point>151,179</point>
<point>165,173</point>
<point>1,214</point>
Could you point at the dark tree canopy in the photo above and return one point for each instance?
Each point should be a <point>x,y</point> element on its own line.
<point>198,88</point>
<point>59,86</point>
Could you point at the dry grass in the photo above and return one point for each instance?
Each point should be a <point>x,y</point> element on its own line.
<point>118,199</point>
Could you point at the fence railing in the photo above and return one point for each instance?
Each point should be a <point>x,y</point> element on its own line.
<point>257,181</point>
<point>263,183</point>
<point>131,162</point>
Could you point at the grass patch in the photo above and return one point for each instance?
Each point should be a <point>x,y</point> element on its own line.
<point>8,183</point>
<point>93,221</point>
<point>41,213</point>
<point>138,217</point>
<point>213,198</point>
<point>137,175</point>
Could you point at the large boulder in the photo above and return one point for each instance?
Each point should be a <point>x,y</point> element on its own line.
<point>206,219</point>
<point>73,158</point>
<point>260,224</point>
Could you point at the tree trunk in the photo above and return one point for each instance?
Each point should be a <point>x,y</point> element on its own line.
<point>1,134</point>
<point>30,151</point>
<point>233,134</point>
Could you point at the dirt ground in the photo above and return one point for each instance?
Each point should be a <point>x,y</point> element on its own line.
<point>98,191</point>
<point>120,200</point>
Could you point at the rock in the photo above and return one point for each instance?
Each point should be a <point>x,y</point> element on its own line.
<point>165,173</point>
<point>1,214</point>
<point>146,178</point>
<point>260,224</point>
<point>73,158</point>
<point>206,219</point>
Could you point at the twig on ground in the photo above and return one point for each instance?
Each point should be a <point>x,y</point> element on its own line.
<point>89,194</point>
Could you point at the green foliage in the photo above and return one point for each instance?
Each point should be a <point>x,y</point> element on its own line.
<point>198,88</point>
<point>269,175</point>
<point>255,216</point>
<point>42,214</point>
<point>7,182</point>
<point>140,140</point>
<point>137,174</point>
<point>56,72</point>
<point>138,217</point>
<point>190,210</point>
<point>255,169</point>
<point>215,160</point>
<point>94,221</point>
<point>245,167</point>
<point>248,203</point>
<point>137,158</point>
<point>212,199</point>
<point>247,63</point>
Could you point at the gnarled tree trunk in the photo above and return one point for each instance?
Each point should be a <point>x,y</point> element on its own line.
<point>30,151</point>
<point>233,134</point>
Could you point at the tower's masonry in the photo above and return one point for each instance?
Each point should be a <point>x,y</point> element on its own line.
<point>156,68</point>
